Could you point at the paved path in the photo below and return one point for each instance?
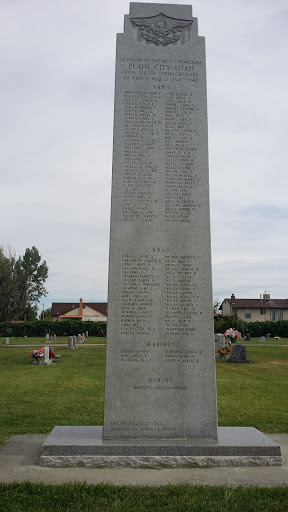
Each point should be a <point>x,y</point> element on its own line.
<point>57,345</point>
<point>18,463</point>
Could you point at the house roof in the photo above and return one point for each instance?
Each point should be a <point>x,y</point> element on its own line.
<point>257,303</point>
<point>60,308</point>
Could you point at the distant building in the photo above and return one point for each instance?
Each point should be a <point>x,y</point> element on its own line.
<point>94,311</point>
<point>264,309</point>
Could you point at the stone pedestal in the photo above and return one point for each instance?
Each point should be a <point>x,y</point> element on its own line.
<point>84,446</point>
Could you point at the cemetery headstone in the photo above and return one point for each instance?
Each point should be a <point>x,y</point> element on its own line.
<point>70,343</point>
<point>86,334</point>
<point>219,341</point>
<point>45,359</point>
<point>160,387</point>
<point>47,337</point>
<point>247,337</point>
<point>79,338</point>
<point>219,344</point>
<point>262,339</point>
<point>75,342</point>
<point>54,337</point>
<point>238,355</point>
<point>5,341</point>
<point>268,336</point>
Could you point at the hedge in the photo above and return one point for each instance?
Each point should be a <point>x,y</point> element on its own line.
<point>43,327</point>
<point>74,327</point>
<point>254,328</point>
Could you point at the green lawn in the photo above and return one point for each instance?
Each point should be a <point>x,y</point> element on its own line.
<point>41,340</point>
<point>269,342</point>
<point>255,394</point>
<point>26,497</point>
<point>36,398</point>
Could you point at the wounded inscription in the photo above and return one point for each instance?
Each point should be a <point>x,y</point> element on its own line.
<point>140,141</point>
<point>182,356</point>
<point>158,123</point>
<point>181,294</point>
<point>181,138</point>
<point>143,287</point>
<point>140,281</point>
<point>134,356</point>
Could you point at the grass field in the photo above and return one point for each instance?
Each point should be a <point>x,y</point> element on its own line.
<point>28,497</point>
<point>70,392</point>
<point>36,398</point>
<point>41,341</point>
<point>268,342</point>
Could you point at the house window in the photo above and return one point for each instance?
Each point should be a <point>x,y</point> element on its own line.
<point>276,315</point>
<point>247,313</point>
<point>262,311</point>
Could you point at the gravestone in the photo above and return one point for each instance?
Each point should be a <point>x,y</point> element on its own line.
<point>219,341</point>
<point>47,337</point>
<point>238,355</point>
<point>5,341</point>
<point>75,342</point>
<point>70,343</point>
<point>160,391</point>
<point>247,337</point>
<point>45,359</point>
<point>262,339</point>
<point>86,334</point>
<point>79,338</point>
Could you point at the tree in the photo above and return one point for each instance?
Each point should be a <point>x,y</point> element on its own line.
<point>46,314</point>
<point>21,283</point>
<point>6,282</point>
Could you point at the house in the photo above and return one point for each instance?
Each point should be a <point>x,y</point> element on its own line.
<point>94,311</point>
<point>264,309</point>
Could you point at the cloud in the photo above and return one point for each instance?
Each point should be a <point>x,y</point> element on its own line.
<point>56,127</point>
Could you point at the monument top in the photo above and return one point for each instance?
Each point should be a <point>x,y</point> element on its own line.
<point>173,10</point>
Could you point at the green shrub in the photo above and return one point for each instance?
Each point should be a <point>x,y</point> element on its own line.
<point>256,329</point>
<point>43,327</point>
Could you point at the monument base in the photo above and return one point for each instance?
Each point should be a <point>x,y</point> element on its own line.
<point>84,446</point>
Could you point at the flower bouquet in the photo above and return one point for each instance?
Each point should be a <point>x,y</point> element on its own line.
<point>232,334</point>
<point>37,354</point>
<point>224,351</point>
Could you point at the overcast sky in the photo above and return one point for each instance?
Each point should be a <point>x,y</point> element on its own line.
<point>57,62</point>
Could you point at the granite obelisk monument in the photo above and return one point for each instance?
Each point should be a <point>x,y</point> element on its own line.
<point>160,392</point>
<point>160,368</point>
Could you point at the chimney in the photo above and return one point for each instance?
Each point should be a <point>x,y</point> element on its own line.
<point>232,297</point>
<point>81,307</point>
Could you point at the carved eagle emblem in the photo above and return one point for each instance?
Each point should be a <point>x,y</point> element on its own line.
<point>161,29</point>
